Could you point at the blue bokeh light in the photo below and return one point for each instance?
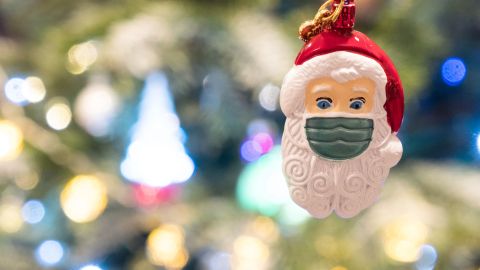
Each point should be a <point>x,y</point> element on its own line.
<point>91,267</point>
<point>49,253</point>
<point>250,150</point>
<point>428,258</point>
<point>33,211</point>
<point>13,91</point>
<point>478,143</point>
<point>454,71</point>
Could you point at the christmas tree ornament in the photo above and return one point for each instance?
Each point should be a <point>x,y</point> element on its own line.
<point>344,104</point>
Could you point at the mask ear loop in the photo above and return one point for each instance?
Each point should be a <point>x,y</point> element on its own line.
<point>324,19</point>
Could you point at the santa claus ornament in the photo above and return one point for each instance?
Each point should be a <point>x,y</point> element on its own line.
<point>344,103</point>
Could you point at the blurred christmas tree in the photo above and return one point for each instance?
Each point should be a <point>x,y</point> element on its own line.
<point>65,203</point>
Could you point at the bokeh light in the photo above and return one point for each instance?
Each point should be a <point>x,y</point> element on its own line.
<point>214,260</point>
<point>478,143</point>
<point>250,253</point>
<point>23,91</point>
<point>33,211</point>
<point>58,116</point>
<point>11,220</point>
<point>27,181</point>
<point>156,155</point>
<point>165,247</point>
<point>49,253</point>
<point>268,97</point>
<point>250,151</point>
<point>96,106</point>
<point>262,188</point>
<point>81,57</point>
<point>11,141</point>
<point>454,71</point>
<point>428,258</point>
<point>91,267</point>
<point>13,91</point>
<point>34,90</point>
<point>84,198</point>
<point>265,141</point>
<point>403,240</point>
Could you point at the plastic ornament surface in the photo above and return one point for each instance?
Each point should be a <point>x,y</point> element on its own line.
<point>156,156</point>
<point>344,105</point>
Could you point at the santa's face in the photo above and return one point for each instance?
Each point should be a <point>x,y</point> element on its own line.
<point>339,138</point>
<point>337,145</point>
<point>326,95</point>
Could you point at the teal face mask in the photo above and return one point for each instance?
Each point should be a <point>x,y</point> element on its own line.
<point>339,138</point>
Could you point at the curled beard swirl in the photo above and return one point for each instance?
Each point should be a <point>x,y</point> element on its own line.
<point>311,182</point>
<point>322,186</point>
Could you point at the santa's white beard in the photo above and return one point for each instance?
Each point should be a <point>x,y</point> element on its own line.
<point>347,187</point>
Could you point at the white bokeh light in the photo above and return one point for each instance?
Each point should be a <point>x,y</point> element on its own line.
<point>269,96</point>
<point>58,116</point>
<point>91,267</point>
<point>156,155</point>
<point>13,91</point>
<point>49,253</point>
<point>96,106</point>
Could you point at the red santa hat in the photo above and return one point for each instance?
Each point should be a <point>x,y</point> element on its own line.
<point>337,45</point>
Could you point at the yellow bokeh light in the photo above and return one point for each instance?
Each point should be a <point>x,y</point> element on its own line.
<point>403,239</point>
<point>165,247</point>
<point>339,268</point>
<point>28,181</point>
<point>250,253</point>
<point>81,57</point>
<point>34,90</point>
<point>265,228</point>
<point>11,220</point>
<point>59,116</point>
<point>84,198</point>
<point>11,141</point>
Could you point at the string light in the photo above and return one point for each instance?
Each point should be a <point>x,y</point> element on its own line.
<point>403,239</point>
<point>23,91</point>
<point>454,71</point>
<point>96,106</point>
<point>81,57</point>
<point>11,141</point>
<point>34,90</point>
<point>13,91</point>
<point>28,181</point>
<point>49,253</point>
<point>91,267</point>
<point>268,97</point>
<point>165,247</point>
<point>33,211</point>
<point>84,198</point>
<point>478,143</point>
<point>428,258</point>
<point>10,215</point>
<point>250,253</point>
<point>59,116</point>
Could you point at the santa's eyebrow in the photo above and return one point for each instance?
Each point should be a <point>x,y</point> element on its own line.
<point>360,89</point>
<point>359,98</point>
<point>322,87</point>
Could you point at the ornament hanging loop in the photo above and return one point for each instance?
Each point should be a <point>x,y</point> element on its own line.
<point>324,18</point>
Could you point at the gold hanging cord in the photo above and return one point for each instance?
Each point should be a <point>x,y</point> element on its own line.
<point>324,19</point>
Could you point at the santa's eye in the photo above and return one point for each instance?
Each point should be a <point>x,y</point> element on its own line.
<point>357,104</point>
<point>324,103</point>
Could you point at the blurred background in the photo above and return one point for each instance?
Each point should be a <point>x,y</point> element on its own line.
<point>142,135</point>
